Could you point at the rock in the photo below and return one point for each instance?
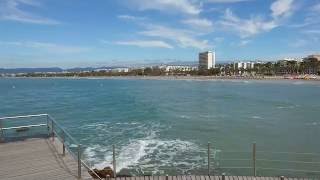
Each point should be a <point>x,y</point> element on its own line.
<point>124,172</point>
<point>107,171</point>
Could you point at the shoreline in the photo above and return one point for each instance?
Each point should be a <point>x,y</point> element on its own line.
<point>195,78</point>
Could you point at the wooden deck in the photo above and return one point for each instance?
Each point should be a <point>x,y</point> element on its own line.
<point>41,158</point>
<point>187,177</point>
<point>38,158</point>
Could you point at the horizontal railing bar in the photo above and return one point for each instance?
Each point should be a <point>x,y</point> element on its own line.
<point>66,133</point>
<point>88,168</point>
<point>301,162</point>
<point>26,116</point>
<point>271,152</point>
<point>67,147</point>
<point>233,167</point>
<point>233,159</point>
<point>293,170</point>
<point>20,127</point>
<point>235,152</point>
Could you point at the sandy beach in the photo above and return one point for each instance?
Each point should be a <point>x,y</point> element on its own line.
<point>194,78</point>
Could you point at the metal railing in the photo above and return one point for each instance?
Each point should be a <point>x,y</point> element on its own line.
<point>255,159</point>
<point>210,166</point>
<point>54,130</point>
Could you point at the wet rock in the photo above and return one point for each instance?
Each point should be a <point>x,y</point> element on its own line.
<point>103,173</point>
<point>124,173</point>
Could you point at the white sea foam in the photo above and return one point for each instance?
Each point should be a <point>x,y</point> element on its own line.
<point>146,152</point>
<point>256,117</point>
<point>184,117</point>
<point>288,107</point>
<point>298,83</point>
<point>313,124</point>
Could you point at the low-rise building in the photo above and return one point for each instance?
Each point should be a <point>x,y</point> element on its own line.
<point>243,65</point>
<point>120,70</point>
<point>312,57</point>
<point>184,68</point>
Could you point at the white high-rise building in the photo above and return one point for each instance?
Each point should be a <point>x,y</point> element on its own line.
<point>207,60</point>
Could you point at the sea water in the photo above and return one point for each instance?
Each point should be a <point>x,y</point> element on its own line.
<point>164,126</point>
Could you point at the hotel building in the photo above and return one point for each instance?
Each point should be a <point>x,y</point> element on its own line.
<point>207,60</point>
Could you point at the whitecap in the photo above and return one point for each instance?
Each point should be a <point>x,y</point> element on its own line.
<point>313,124</point>
<point>149,152</point>
<point>185,117</point>
<point>256,117</point>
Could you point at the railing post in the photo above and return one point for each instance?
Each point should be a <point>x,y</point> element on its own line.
<point>63,144</point>
<point>79,161</point>
<point>167,177</point>
<point>1,135</point>
<point>52,132</point>
<point>208,158</point>
<point>114,161</point>
<point>48,128</point>
<point>281,177</point>
<point>254,159</point>
<point>1,132</point>
<point>223,176</point>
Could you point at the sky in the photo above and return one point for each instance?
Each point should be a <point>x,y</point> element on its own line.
<point>81,33</point>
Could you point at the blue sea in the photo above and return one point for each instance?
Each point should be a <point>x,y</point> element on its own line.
<point>164,126</point>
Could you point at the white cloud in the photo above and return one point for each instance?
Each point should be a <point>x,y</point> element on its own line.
<point>246,27</point>
<point>10,10</point>
<point>226,1</point>
<point>148,44</point>
<point>316,7</point>
<point>130,17</point>
<point>312,31</point>
<point>282,8</point>
<point>198,23</point>
<point>299,43</point>
<point>182,37</point>
<point>311,17</point>
<point>172,6</point>
<point>244,42</point>
<point>49,47</point>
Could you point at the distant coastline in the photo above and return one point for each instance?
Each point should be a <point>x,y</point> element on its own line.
<point>199,78</point>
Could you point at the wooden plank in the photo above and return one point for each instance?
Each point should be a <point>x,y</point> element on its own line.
<point>162,177</point>
<point>179,177</point>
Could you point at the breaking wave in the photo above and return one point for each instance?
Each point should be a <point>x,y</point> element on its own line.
<point>149,154</point>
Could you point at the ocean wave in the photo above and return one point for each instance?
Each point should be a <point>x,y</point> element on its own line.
<point>256,117</point>
<point>146,153</point>
<point>313,124</point>
<point>288,106</point>
<point>185,117</point>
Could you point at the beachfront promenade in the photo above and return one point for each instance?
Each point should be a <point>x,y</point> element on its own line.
<point>56,155</point>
